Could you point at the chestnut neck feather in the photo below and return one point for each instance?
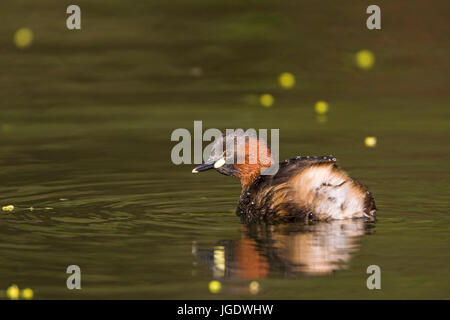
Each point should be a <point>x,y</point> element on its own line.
<point>247,172</point>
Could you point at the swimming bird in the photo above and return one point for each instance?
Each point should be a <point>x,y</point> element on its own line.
<point>305,188</point>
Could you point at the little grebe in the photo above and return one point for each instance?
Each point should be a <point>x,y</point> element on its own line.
<point>304,188</point>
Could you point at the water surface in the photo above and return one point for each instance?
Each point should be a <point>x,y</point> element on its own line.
<point>86,119</point>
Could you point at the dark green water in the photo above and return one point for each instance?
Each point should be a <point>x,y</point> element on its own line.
<point>86,118</point>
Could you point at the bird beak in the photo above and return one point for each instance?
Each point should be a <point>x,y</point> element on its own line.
<point>203,167</point>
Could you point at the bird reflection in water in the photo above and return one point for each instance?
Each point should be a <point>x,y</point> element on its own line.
<point>286,249</point>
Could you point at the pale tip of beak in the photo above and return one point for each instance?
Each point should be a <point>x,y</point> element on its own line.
<point>194,171</point>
